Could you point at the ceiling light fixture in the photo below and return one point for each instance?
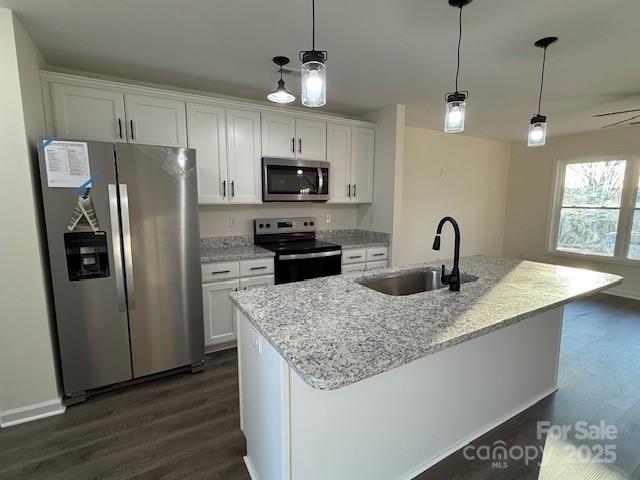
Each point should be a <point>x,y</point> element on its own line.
<point>456,101</point>
<point>280,94</point>
<point>313,70</point>
<point>538,124</point>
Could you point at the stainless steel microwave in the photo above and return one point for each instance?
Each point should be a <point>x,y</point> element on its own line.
<point>289,180</point>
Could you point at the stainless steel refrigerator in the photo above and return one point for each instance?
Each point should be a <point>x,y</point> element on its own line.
<point>127,294</point>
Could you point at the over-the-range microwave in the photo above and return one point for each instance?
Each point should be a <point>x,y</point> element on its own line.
<point>290,180</point>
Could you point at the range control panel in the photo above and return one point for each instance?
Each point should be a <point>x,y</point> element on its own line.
<point>264,226</point>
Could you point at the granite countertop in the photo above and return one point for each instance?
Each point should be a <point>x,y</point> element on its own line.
<point>334,332</point>
<point>230,253</point>
<point>355,238</point>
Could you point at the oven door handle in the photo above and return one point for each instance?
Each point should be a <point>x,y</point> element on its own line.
<point>304,256</point>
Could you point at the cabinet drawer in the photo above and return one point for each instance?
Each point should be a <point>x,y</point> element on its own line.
<point>259,266</point>
<point>377,265</point>
<point>353,267</point>
<point>354,255</point>
<point>212,272</point>
<point>377,253</point>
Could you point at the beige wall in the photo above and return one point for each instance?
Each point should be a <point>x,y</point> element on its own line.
<point>454,175</point>
<point>530,189</point>
<point>27,358</point>
<point>214,219</point>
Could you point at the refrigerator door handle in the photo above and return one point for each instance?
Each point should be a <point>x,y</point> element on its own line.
<point>126,239</point>
<point>117,247</point>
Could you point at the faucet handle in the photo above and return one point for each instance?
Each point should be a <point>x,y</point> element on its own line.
<point>443,277</point>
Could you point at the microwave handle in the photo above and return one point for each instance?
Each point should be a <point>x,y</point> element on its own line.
<point>320,180</point>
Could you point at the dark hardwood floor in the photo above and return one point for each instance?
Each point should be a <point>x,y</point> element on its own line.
<point>187,426</point>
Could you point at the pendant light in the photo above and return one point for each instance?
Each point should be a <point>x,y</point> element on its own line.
<point>538,125</point>
<point>456,101</point>
<point>280,94</point>
<point>313,70</point>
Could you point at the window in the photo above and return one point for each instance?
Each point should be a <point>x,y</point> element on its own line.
<point>597,209</point>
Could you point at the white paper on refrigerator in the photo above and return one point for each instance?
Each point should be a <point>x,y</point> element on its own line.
<point>67,164</point>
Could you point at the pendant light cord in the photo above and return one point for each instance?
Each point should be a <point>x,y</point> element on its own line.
<point>313,29</point>
<point>459,43</point>
<point>544,61</point>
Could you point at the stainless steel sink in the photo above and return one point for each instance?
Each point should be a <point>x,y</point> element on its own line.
<point>411,282</point>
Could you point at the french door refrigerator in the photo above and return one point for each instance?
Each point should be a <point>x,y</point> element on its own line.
<point>127,289</point>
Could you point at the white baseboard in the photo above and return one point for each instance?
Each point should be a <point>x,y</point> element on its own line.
<point>250,469</point>
<point>621,292</point>
<point>29,413</point>
<point>478,433</point>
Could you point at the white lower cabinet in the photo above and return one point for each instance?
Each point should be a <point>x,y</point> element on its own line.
<point>361,259</point>
<point>219,325</point>
<point>219,280</point>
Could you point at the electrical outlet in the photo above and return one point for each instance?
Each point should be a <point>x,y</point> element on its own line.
<point>232,221</point>
<point>329,218</point>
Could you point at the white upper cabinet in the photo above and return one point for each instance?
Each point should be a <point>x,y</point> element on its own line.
<point>290,137</point>
<point>88,113</point>
<point>339,156</point>
<point>156,120</point>
<point>207,134</point>
<point>362,155</point>
<point>312,140</point>
<point>350,151</point>
<point>244,156</point>
<point>278,136</point>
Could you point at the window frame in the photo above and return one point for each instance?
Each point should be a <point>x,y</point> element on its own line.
<point>627,207</point>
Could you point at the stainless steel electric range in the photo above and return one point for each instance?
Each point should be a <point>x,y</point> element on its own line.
<point>299,256</point>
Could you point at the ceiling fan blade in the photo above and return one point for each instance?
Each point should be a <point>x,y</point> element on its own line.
<point>621,121</point>
<point>617,113</point>
<point>292,72</point>
<point>634,123</point>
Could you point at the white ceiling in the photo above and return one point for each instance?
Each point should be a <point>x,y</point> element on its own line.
<point>380,52</point>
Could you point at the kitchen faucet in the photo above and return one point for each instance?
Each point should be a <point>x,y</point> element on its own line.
<point>453,279</point>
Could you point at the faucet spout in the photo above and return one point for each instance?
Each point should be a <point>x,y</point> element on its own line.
<point>453,279</point>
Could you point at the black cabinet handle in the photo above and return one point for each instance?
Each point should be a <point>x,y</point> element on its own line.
<point>355,256</point>
<point>220,272</point>
<point>378,254</point>
<point>224,188</point>
<point>120,127</point>
<point>233,188</point>
<point>354,189</point>
<point>257,268</point>
<point>132,135</point>
<point>300,145</point>
<point>349,191</point>
<point>293,144</point>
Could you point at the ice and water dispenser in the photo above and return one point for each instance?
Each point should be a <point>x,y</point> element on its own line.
<point>87,255</point>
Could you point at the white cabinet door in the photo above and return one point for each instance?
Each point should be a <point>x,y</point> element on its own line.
<point>206,133</point>
<point>354,267</point>
<point>339,156</point>
<point>244,156</point>
<point>219,325</point>
<point>278,136</point>
<point>256,282</point>
<point>362,149</point>
<point>88,113</point>
<point>156,121</point>
<point>312,140</point>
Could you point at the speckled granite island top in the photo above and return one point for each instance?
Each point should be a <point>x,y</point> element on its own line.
<point>334,332</point>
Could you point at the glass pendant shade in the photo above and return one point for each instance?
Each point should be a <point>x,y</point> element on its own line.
<point>314,84</point>
<point>455,113</point>
<point>537,131</point>
<point>280,94</point>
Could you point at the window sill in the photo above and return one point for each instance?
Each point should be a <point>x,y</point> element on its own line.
<point>594,258</point>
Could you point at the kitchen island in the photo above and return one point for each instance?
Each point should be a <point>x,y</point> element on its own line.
<point>344,382</point>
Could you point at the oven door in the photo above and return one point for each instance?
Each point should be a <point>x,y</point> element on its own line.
<point>285,180</point>
<point>303,266</point>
